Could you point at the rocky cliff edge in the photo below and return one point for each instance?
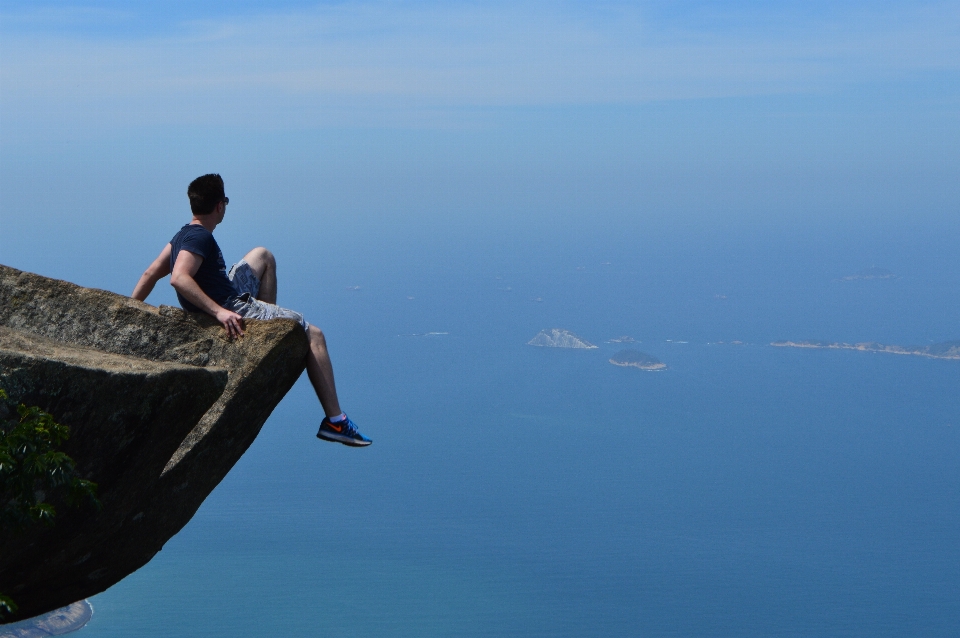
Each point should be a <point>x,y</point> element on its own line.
<point>160,405</point>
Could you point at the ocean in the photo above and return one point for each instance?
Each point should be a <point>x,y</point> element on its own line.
<point>512,490</point>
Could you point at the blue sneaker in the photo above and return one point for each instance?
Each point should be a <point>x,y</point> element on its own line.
<point>342,432</point>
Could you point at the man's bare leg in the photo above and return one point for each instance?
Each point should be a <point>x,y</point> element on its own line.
<point>264,266</point>
<point>320,371</point>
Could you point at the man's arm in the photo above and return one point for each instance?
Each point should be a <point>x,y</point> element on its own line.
<point>156,271</point>
<point>182,280</point>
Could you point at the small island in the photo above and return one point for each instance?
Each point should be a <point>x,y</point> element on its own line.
<point>870,273</point>
<point>558,338</point>
<point>637,359</point>
<point>944,350</point>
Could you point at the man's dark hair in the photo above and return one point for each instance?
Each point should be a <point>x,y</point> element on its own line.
<point>205,193</point>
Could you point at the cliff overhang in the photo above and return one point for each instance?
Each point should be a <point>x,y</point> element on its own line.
<point>161,404</point>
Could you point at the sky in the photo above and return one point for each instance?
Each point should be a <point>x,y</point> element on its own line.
<point>390,145</point>
<point>453,119</point>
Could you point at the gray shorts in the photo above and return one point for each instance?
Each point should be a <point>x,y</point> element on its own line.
<point>248,306</point>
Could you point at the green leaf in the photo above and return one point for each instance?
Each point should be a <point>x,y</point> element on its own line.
<point>7,606</point>
<point>32,468</point>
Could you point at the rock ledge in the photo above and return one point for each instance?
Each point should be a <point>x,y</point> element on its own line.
<point>160,405</point>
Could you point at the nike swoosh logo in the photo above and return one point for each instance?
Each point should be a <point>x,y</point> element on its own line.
<point>336,428</point>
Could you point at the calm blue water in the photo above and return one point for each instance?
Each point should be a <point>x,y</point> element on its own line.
<point>517,491</point>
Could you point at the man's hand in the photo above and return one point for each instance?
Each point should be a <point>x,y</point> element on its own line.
<point>231,322</point>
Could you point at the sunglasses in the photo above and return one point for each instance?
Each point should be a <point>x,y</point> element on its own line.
<point>226,200</point>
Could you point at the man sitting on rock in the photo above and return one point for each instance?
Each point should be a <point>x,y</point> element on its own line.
<point>249,290</point>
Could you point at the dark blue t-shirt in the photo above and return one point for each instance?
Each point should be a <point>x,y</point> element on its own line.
<point>212,274</point>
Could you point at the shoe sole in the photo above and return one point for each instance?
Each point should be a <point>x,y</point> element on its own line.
<point>345,440</point>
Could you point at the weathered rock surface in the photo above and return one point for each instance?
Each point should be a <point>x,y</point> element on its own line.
<point>160,403</point>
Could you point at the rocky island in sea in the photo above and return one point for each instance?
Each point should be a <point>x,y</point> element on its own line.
<point>870,273</point>
<point>557,338</point>
<point>637,359</point>
<point>944,350</point>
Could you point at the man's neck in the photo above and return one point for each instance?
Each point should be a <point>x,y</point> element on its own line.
<point>207,221</point>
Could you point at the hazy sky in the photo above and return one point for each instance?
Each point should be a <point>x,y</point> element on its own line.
<point>499,115</point>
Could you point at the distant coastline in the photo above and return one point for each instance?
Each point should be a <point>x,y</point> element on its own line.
<point>55,623</point>
<point>944,350</point>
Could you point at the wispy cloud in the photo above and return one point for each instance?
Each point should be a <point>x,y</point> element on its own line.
<point>358,63</point>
